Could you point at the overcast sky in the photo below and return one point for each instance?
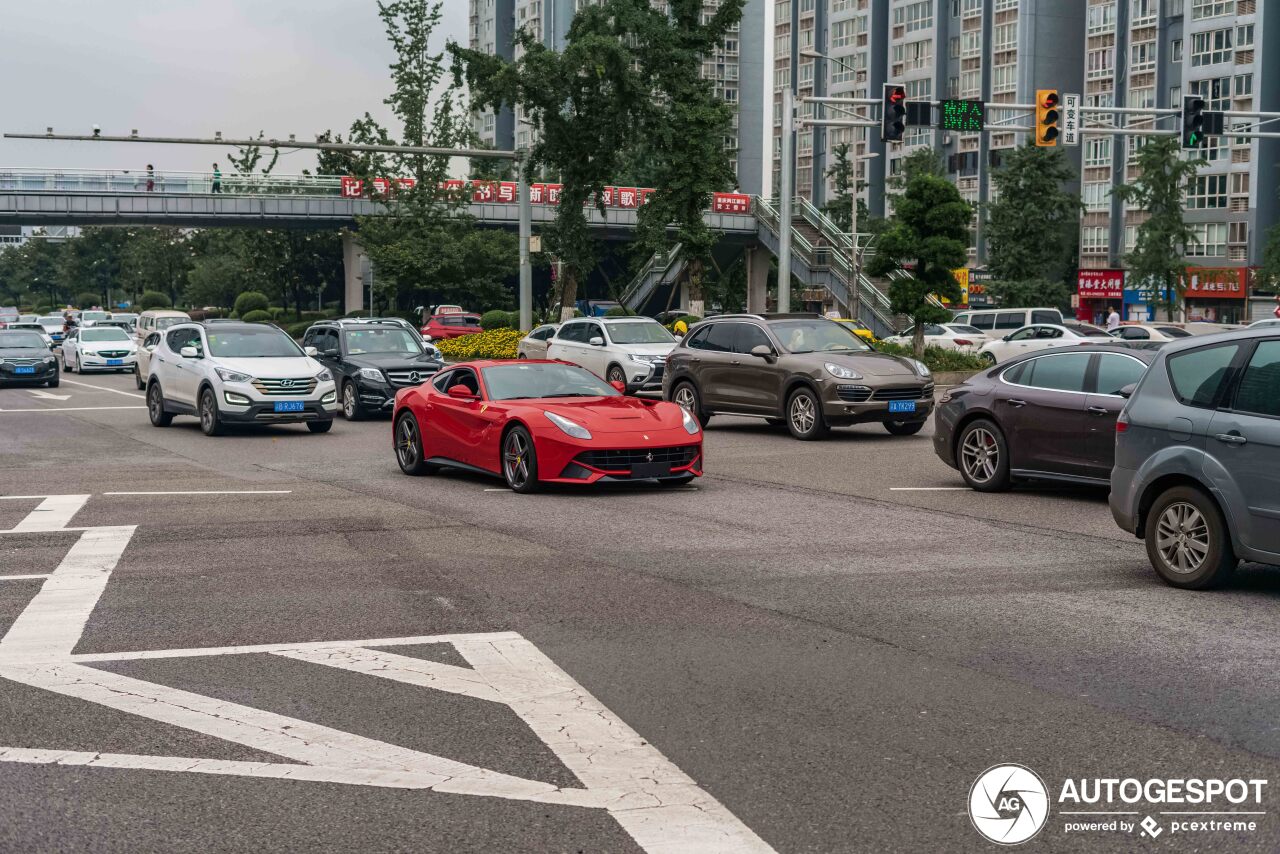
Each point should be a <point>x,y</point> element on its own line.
<point>189,68</point>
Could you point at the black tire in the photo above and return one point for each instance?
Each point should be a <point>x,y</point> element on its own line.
<point>685,394</point>
<point>137,379</point>
<point>53,383</point>
<point>155,407</point>
<point>615,374</point>
<point>904,428</point>
<point>982,455</point>
<point>989,358</point>
<point>351,408</point>
<point>320,426</point>
<point>406,440</point>
<point>1187,540</point>
<point>210,418</point>
<point>520,461</point>
<point>682,480</point>
<point>805,420</point>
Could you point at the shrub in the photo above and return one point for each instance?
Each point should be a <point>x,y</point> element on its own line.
<point>492,344</point>
<point>617,311</point>
<point>313,315</point>
<point>297,330</point>
<point>154,299</point>
<point>495,319</point>
<point>513,319</point>
<point>251,301</point>
<point>277,312</point>
<point>88,299</point>
<point>936,358</point>
<point>257,316</point>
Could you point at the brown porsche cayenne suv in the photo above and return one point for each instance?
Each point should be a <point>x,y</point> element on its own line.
<point>798,370</point>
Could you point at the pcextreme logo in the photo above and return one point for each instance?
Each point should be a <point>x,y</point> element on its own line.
<point>1008,804</point>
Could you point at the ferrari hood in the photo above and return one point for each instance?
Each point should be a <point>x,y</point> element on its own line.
<point>603,415</point>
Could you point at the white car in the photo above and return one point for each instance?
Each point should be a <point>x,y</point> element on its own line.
<point>53,325</point>
<point>1042,336</point>
<point>948,336</point>
<point>32,326</point>
<point>1149,332</point>
<point>228,372</point>
<point>534,345</point>
<point>109,348</point>
<point>90,318</point>
<point>629,350</point>
<point>1266,321</point>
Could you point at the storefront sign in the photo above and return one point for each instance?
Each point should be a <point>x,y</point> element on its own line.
<point>1219,283</point>
<point>1100,284</point>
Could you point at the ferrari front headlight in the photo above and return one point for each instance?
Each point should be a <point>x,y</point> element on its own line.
<point>571,428</point>
<point>690,423</point>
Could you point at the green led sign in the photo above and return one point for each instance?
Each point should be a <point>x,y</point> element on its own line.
<point>964,116</point>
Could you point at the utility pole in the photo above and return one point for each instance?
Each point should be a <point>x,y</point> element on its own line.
<point>785,191</point>
<point>526,230</point>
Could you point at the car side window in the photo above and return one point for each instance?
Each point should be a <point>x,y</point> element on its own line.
<point>985,322</point>
<point>1059,373</point>
<point>568,332</point>
<point>749,337</point>
<point>180,338</point>
<point>960,318</point>
<point>1010,319</point>
<point>934,329</point>
<point>698,340</point>
<point>1043,332</point>
<point>1045,317</point>
<point>1016,373</point>
<point>1023,334</point>
<point>153,341</point>
<point>720,338</point>
<point>1134,333</point>
<point>442,381</point>
<point>1116,372</point>
<point>544,334</point>
<point>1198,375</point>
<point>464,377</point>
<point>593,330</point>
<point>1259,391</point>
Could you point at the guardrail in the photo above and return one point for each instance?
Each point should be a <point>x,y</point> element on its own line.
<point>142,181</point>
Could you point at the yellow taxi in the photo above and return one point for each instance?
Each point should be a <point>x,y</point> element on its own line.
<point>857,327</point>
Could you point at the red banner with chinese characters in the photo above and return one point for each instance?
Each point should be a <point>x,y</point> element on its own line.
<point>1218,283</point>
<point>1100,284</point>
<point>731,203</point>
<point>352,188</point>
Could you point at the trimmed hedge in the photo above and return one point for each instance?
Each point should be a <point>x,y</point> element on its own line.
<point>936,358</point>
<point>297,330</point>
<point>154,299</point>
<point>87,299</point>
<point>491,344</point>
<point>258,316</point>
<point>251,301</point>
<point>495,319</point>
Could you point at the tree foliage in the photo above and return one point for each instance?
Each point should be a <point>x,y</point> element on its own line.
<point>1158,255</point>
<point>1033,226</point>
<point>840,208</point>
<point>1031,293</point>
<point>926,238</point>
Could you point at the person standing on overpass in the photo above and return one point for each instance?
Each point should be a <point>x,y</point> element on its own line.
<point>217,179</point>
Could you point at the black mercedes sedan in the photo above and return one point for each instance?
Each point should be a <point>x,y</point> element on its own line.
<point>25,358</point>
<point>1050,415</point>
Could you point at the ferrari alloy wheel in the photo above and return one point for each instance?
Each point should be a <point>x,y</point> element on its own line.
<point>155,407</point>
<point>983,457</point>
<point>520,461</point>
<point>410,453</point>
<point>804,415</point>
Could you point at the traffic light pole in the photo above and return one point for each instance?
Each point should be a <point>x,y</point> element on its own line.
<point>785,192</point>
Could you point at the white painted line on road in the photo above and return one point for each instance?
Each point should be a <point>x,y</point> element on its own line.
<point>402,668</point>
<point>929,489</point>
<point>210,492</point>
<point>249,649</point>
<point>103,388</point>
<point>497,489</point>
<point>72,408</point>
<point>47,396</point>
<point>51,514</point>
<point>22,577</point>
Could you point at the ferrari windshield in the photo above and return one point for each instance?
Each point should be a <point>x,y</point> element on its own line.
<point>640,332</point>
<point>250,343</point>
<point>520,382</point>
<point>816,336</point>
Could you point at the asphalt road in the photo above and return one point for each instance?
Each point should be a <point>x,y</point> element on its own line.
<point>830,639</point>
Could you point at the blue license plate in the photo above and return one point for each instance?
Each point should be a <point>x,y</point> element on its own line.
<point>289,406</point>
<point>24,370</point>
<point>902,406</point>
<point>114,363</point>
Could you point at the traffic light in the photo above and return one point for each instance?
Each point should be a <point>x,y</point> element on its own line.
<point>1047,116</point>
<point>893,115</point>
<point>1193,131</point>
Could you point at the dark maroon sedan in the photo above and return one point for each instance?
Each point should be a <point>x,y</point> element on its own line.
<point>1048,416</point>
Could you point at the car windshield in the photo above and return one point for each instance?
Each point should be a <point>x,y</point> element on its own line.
<point>640,332</point>
<point>51,320</point>
<point>963,329</point>
<point>813,336</point>
<point>1087,330</point>
<point>1175,332</point>
<point>250,343</point>
<point>21,341</point>
<point>93,315</point>
<point>519,382</point>
<point>166,322</point>
<point>393,340</point>
<point>105,333</point>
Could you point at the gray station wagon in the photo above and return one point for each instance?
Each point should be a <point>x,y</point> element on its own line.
<point>1197,471</point>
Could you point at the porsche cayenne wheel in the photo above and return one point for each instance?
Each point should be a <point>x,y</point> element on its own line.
<point>686,397</point>
<point>804,415</point>
<point>520,461</point>
<point>155,407</point>
<point>983,457</point>
<point>410,453</point>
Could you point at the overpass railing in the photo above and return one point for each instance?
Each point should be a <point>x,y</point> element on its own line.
<point>140,181</point>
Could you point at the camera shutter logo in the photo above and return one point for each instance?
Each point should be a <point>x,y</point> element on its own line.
<point>1008,804</point>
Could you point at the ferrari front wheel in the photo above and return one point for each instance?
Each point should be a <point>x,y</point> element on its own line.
<point>520,461</point>
<point>410,453</point>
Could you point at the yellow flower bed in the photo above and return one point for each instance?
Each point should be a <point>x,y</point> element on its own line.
<point>494,344</point>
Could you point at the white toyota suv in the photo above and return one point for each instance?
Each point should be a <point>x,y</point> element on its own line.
<point>630,350</point>
<point>229,372</point>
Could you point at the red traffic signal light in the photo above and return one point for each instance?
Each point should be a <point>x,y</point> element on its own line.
<point>893,117</point>
<point>1047,116</point>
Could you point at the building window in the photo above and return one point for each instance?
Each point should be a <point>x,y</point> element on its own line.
<point>1207,191</point>
<point>1143,12</point>
<point>1102,19</point>
<point>1005,37</point>
<point>1210,48</point>
<point>1097,151</point>
<point>1216,93</point>
<point>913,56</point>
<point>1244,85</point>
<point>1175,50</point>
<point>841,34</point>
<point>915,16</point>
<point>1210,240</point>
<point>1211,8</point>
<point>1244,36</point>
<point>1142,57</point>
<point>1100,63</point>
<point>1095,239</point>
<point>1097,196</point>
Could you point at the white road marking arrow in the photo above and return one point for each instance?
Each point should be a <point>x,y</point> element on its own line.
<point>44,395</point>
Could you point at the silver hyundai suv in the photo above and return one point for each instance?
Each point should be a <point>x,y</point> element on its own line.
<point>1197,471</point>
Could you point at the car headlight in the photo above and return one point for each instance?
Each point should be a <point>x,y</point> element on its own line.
<point>48,360</point>
<point>372,374</point>
<point>571,428</point>
<point>326,377</point>
<point>690,423</point>
<point>644,360</point>
<point>841,372</point>
<point>921,368</point>
<point>232,376</point>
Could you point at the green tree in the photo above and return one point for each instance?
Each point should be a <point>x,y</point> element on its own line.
<point>1031,293</point>
<point>1033,226</point>
<point>928,237</point>
<point>91,262</point>
<point>840,208</point>
<point>683,120</point>
<point>153,299</point>
<point>156,258</point>
<point>580,102</point>
<point>1158,256</point>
